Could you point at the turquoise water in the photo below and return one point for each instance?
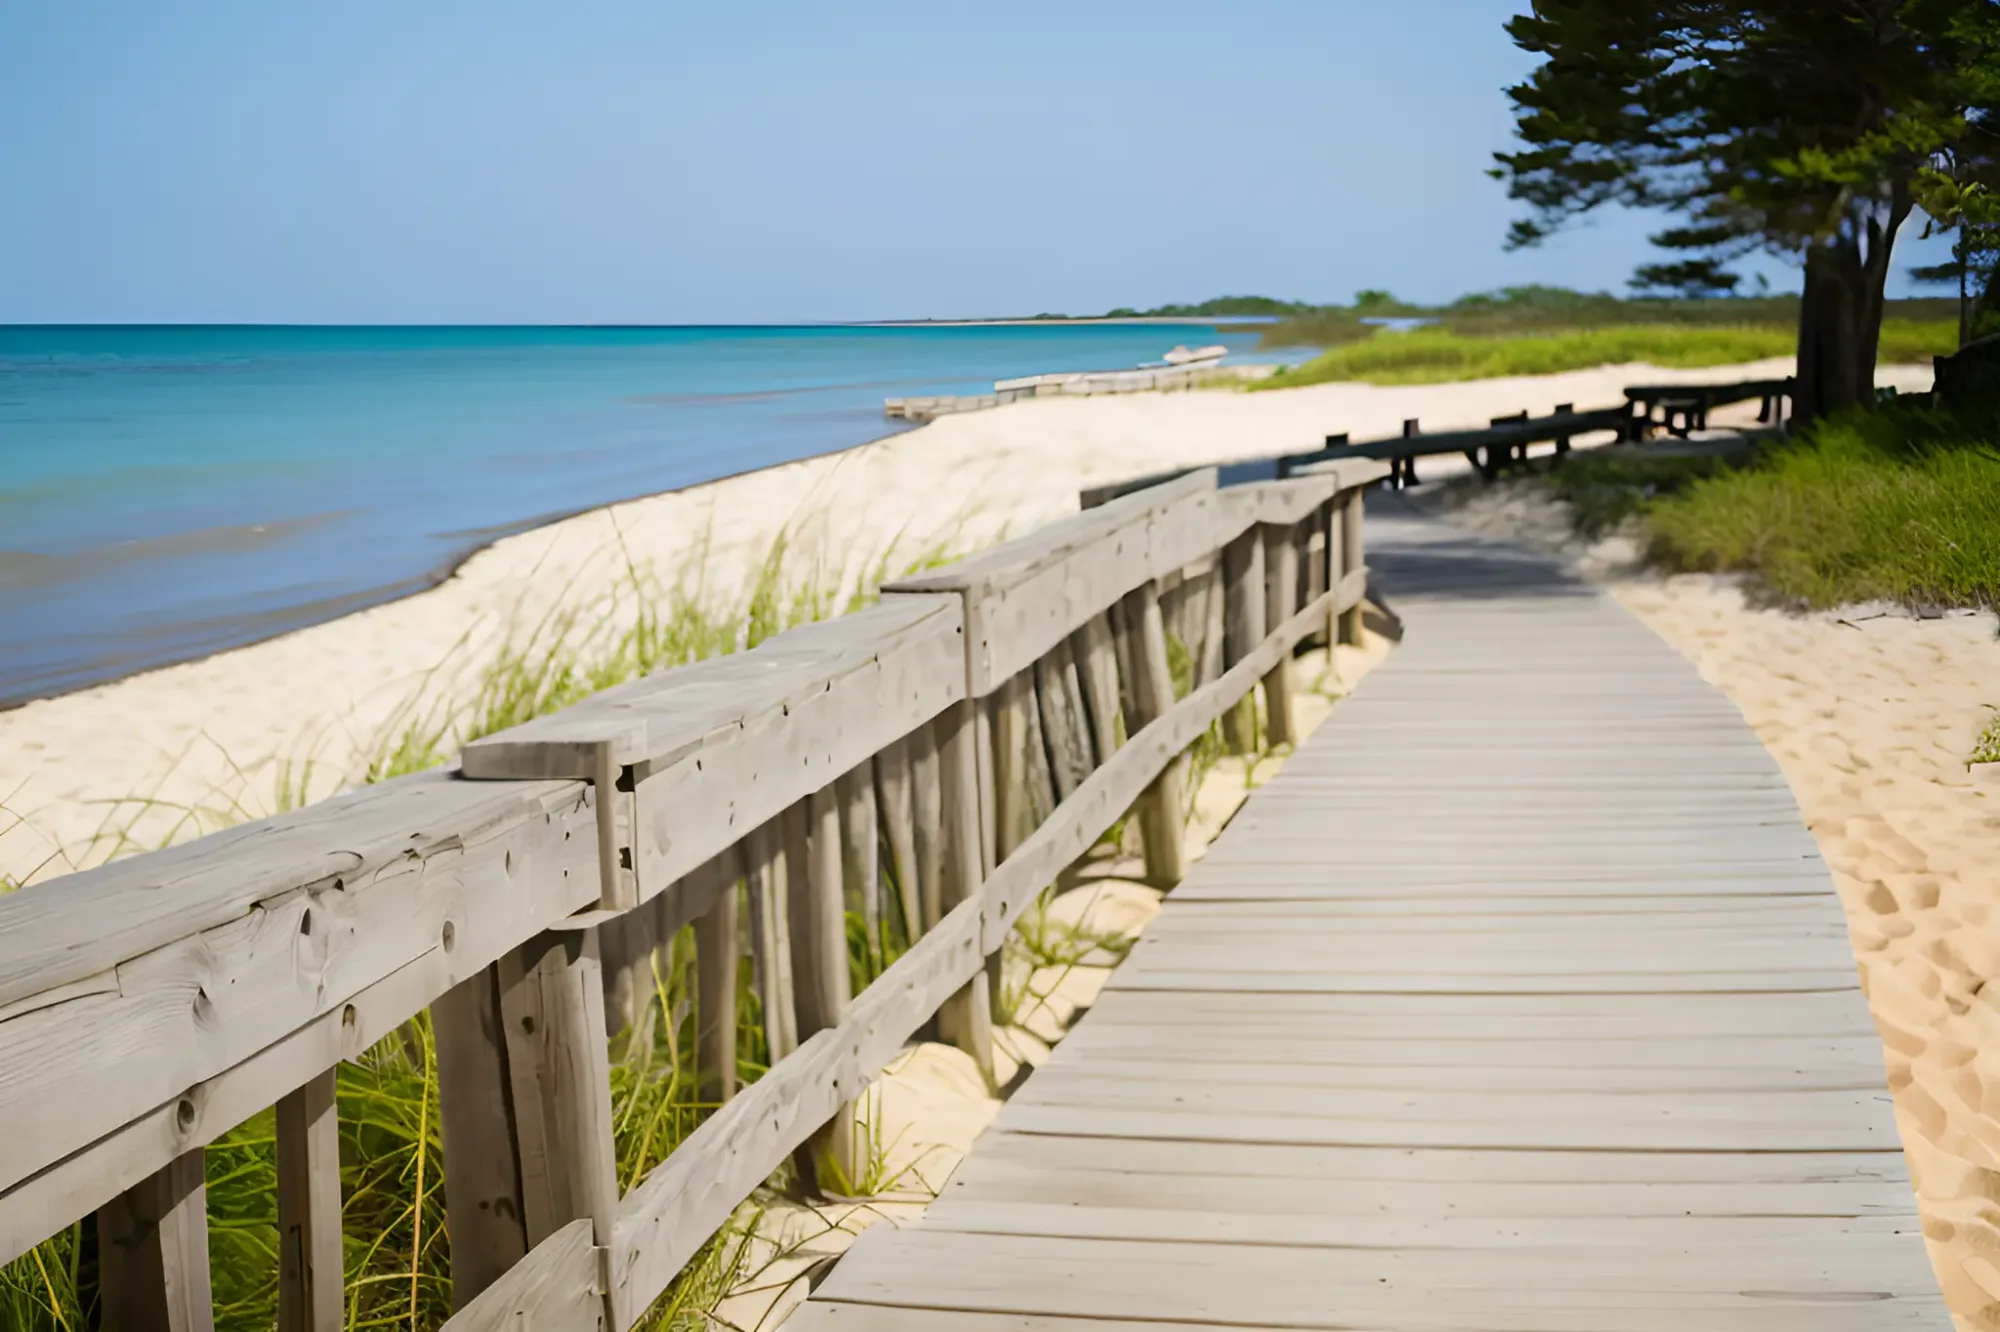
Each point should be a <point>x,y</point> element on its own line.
<point>168,492</point>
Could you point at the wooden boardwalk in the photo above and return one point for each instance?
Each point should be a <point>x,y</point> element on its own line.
<point>1520,1001</point>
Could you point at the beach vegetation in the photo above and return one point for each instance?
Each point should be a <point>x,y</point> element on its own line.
<point>1987,748</point>
<point>1442,354</point>
<point>1901,504</point>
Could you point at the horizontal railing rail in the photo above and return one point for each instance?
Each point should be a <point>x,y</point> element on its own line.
<point>937,758</point>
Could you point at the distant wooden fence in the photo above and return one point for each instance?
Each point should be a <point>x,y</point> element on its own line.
<point>1504,442</point>
<point>979,729</point>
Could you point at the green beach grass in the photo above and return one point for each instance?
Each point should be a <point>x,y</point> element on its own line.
<point>1899,504</point>
<point>1440,355</point>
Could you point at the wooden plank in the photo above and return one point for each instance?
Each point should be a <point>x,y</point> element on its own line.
<point>1414,1316</point>
<point>1199,1224</point>
<point>558,1071</point>
<point>896,802</point>
<point>309,1252</point>
<point>556,1288</point>
<point>1059,696</point>
<point>1273,1286</point>
<point>966,1018</point>
<point>1012,800</point>
<point>716,955</point>
<point>820,967</point>
<point>1097,662</point>
<point>860,852</point>
<point>1378,1183</point>
<point>1163,807</point>
<point>721,746</point>
<point>1213,659</point>
<point>1243,629</point>
<point>927,800</point>
<point>322,910</point>
<point>1281,576</point>
<point>1353,570</point>
<point>152,1253</point>
<point>1025,596</point>
<point>485,1213</point>
<point>81,1183</point>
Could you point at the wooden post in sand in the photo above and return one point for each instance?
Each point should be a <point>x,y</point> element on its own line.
<point>1243,629</point>
<point>1281,577</point>
<point>966,1019</point>
<point>1162,806</point>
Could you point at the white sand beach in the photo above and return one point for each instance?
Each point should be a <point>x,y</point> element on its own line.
<point>173,752</point>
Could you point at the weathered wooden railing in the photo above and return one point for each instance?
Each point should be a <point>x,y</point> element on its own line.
<point>985,724</point>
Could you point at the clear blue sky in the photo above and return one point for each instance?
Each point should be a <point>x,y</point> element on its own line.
<point>669,162</point>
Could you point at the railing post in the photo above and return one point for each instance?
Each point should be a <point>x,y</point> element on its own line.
<point>1281,578</point>
<point>309,1253</point>
<point>1243,629</point>
<point>1353,554</point>
<point>966,1020</point>
<point>927,808</point>
<point>1162,808</point>
<point>860,851</point>
<point>558,1067</point>
<point>484,1213</point>
<point>1097,659</point>
<point>819,962</point>
<point>152,1253</point>
<point>765,872</point>
<point>893,799</point>
<point>716,953</point>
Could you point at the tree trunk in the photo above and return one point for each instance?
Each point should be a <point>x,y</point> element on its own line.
<point>1840,314</point>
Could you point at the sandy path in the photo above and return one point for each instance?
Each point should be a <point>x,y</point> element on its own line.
<point>129,765</point>
<point>1872,714</point>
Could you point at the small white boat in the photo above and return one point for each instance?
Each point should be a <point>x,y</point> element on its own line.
<point>1184,356</point>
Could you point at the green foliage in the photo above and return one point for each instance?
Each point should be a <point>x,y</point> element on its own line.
<point>1436,355</point>
<point>1605,489</point>
<point>1901,504</point>
<point>1987,750</point>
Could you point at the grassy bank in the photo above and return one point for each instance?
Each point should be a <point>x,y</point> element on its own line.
<point>1901,504</point>
<point>1439,355</point>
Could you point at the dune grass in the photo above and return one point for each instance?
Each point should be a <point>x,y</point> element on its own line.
<point>1443,355</point>
<point>1987,750</point>
<point>1899,504</point>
